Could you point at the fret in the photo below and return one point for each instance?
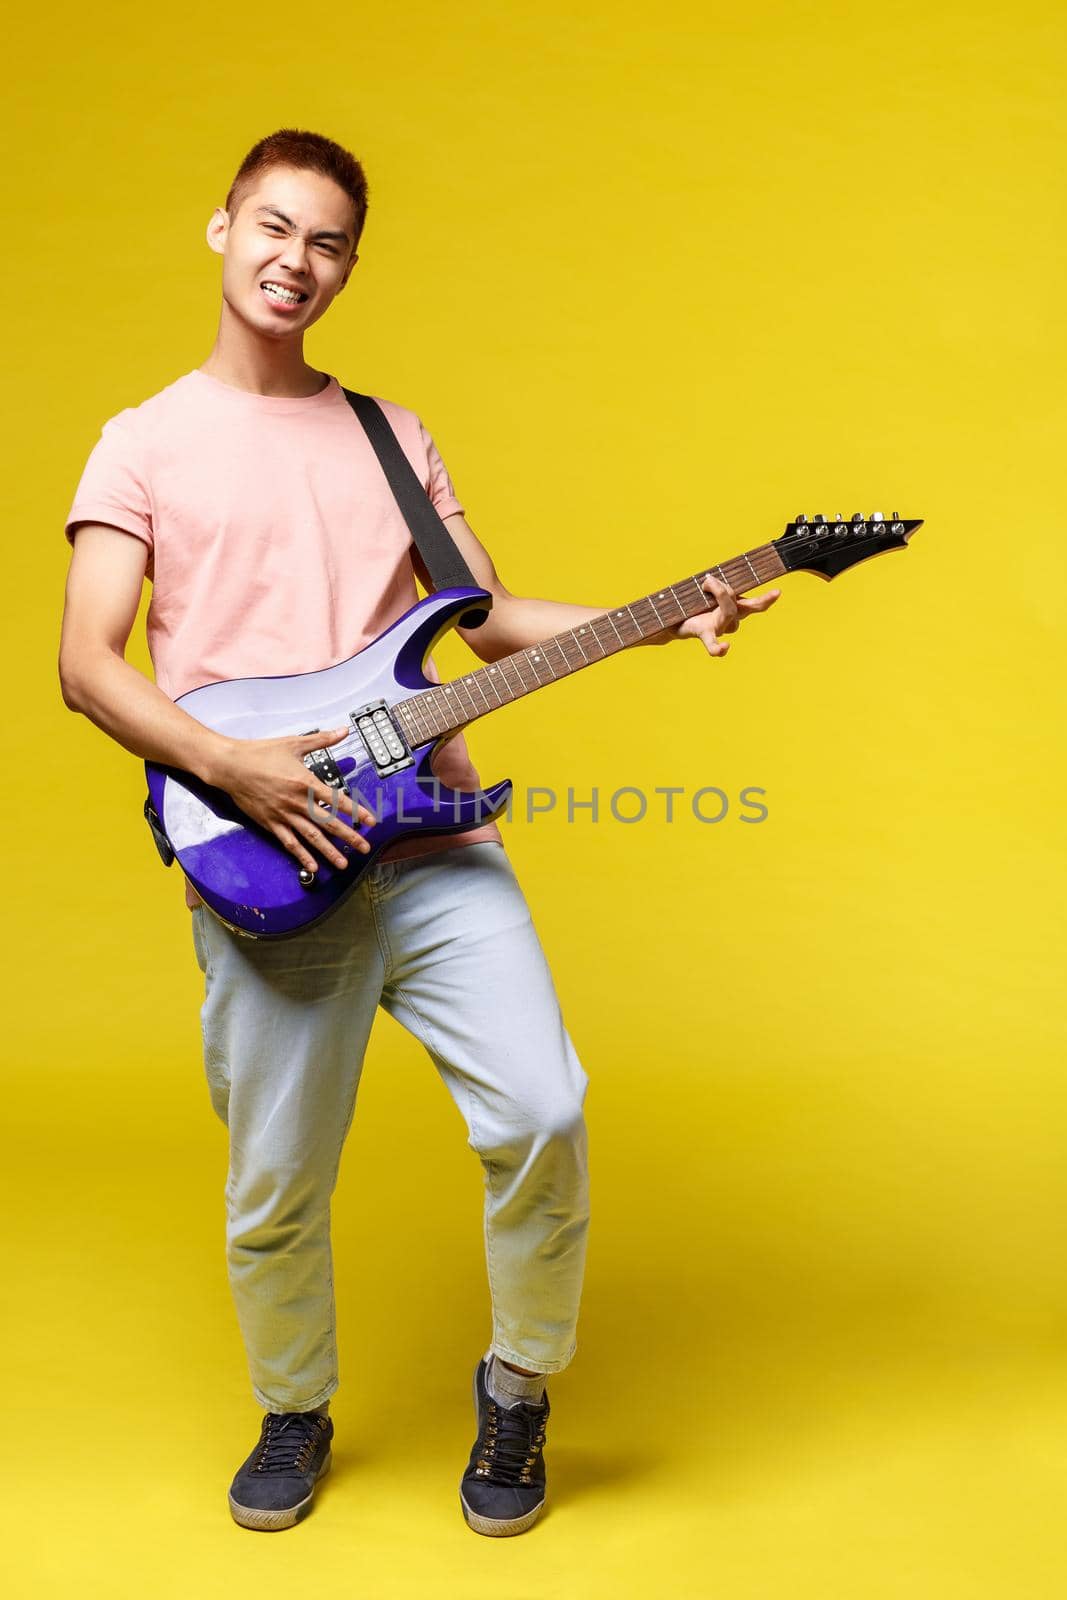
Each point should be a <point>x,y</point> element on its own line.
<point>611,620</point>
<point>494,684</point>
<point>669,595</point>
<point>647,617</point>
<point>430,709</point>
<point>476,678</point>
<point>513,662</point>
<point>433,701</point>
<point>415,716</point>
<point>566,664</point>
<point>546,663</point>
<point>451,706</point>
<point>508,685</point>
<point>463,689</point>
<point>412,717</point>
<point>628,621</point>
<point>406,720</point>
<point>705,600</point>
<point>533,657</point>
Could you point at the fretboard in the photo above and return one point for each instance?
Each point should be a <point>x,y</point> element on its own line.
<point>449,706</point>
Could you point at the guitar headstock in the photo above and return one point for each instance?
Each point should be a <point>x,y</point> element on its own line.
<point>826,547</point>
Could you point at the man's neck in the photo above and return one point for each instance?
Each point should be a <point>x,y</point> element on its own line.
<point>262,367</point>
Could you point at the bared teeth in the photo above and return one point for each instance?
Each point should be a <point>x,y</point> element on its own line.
<point>278,291</point>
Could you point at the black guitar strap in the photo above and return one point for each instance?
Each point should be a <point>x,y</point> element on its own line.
<point>438,549</point>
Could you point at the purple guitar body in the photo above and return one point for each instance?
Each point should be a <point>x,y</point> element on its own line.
<point>399,718</point>
<point>239,869</point>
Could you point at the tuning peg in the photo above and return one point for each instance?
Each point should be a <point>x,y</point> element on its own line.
<point>801,518</point>
<point>819,517</point>
<point>857,516</point>
<point>894,517</point>
<point>839,518</point>
<point>876,516</point>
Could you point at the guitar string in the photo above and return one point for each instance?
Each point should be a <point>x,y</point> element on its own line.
<point>787,541</point>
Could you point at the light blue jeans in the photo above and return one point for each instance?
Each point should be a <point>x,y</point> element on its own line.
<point>445,943</point>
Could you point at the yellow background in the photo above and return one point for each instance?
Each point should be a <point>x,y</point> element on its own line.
<point>657,278</point>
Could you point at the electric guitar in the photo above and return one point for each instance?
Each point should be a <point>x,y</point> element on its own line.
<point>398,718</point>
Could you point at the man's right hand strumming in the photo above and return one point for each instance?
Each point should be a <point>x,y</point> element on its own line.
<point>269,781</point>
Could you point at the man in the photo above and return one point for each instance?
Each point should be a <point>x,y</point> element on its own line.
<point>246,492</point>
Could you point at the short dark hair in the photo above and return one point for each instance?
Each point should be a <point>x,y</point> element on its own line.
<point>294,147</point>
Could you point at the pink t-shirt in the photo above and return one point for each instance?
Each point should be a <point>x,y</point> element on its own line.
<point>275,544</point>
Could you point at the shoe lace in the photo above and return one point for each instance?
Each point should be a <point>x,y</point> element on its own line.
<point>511,1442</point>
<point>288,1441</point>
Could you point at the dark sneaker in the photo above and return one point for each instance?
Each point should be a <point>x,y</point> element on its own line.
<point>503,1488</point>
<point>276,1485</point>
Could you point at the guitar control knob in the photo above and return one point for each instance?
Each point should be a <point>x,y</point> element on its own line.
<point>306,876</point>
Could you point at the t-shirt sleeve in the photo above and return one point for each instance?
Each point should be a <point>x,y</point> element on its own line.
<point>437,482</point>
<point>113,486</point>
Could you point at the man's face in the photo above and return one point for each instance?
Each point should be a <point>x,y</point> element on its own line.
<point>293,232</point>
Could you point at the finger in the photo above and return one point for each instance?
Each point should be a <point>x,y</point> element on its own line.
<point>361,814</point>
<point>763,603</point>
<point>339,800</point>
<point>356,840</point>
<point>715,586</point>
<point>727,602</point>
<point>318,738</point>
<point>327,795</point>
<point>333,824</point>
<point>288,838</point>
<point>316,837</point>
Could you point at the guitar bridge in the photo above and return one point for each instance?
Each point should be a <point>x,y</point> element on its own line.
<point>384,742</point>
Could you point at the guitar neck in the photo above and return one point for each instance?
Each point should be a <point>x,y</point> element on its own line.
<point>448,707</point>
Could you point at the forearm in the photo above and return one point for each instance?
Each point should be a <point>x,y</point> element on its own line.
<point>130,709</point>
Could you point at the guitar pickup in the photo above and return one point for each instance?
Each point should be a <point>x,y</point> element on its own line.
<point>383,740</point>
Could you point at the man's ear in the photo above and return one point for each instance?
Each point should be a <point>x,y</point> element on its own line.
<point>348,273</point>
<point>217,229</point>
